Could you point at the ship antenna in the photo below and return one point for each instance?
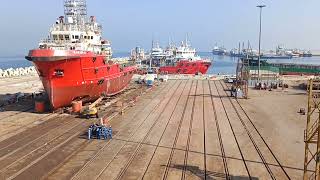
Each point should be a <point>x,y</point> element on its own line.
<point>76,12</point>
<point>186,42</point>
<point>152,44</point>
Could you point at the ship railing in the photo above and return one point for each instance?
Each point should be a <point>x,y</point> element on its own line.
<point>46,41</point>
<point>75,27</point>
<point>78,41</point>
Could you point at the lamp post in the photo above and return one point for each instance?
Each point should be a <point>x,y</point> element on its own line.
<point>259,54</point>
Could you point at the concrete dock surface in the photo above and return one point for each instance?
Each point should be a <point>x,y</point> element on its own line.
<point>182,129</point>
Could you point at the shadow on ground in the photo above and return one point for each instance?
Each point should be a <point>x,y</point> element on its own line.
<point>208,95</point>
<point>210,175</point>
<point>19,102</point>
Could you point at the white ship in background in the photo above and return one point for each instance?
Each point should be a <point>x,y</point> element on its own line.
<point>185,61</point>
<point>157,54</point>
<point>138,55</point>
<point>221,51</point>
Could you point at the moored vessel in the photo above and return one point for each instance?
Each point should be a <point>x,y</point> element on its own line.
<point>220,51</point>
<point>157,54</point>
<point>186,62</point>
<point>74,62</point>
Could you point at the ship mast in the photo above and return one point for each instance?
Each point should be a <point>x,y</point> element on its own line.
<point>76,12</point>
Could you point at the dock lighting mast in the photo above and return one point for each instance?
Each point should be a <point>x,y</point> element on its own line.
<point>259,54</point>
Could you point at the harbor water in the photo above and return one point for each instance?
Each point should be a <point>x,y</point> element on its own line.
<point>221,64</point>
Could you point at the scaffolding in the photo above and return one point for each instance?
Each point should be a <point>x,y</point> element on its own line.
<point>312,133</point>
<point>243,73</point>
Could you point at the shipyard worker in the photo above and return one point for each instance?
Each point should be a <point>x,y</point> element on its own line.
<point>260,85</point>
<point>98,132</point>
<point>232,89</point>
<point>89,132</point>
<point>101,121</point>
<point>94,130</point>
<point>105,132</point>
<point>110,132</point>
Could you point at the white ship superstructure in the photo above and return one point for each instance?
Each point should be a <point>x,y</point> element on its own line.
<point>157,53</point>
<point>75,31</point>
<point>74,62</point>
<point>186,52</point>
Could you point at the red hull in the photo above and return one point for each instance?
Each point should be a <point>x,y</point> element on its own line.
<point>71,75</point>
<point>187,67</point>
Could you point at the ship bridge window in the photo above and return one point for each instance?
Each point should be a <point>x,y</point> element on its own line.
<point>85,37</point>
<point>91,37</point>
<point>67,37</point>
<point>76,37</point>
<point>60,37</point>
<point>55,37</point>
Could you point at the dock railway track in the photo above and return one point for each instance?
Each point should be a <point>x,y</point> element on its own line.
<point>32,146</point>
<point>170,118</point>
<point>140,143</point>
<point>223,154</point>
<point>185,161</point>
<point>184,129</point>
<point>15,112</point>
<point>165,175</point>
<point>262,151</point>
<point>234,135</point>
<point>261,148</point>
<point>86,167</point>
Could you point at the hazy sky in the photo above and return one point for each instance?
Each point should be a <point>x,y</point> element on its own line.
<point>130,23</point>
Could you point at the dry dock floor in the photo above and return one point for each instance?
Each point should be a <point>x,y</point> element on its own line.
<point>183,129</point>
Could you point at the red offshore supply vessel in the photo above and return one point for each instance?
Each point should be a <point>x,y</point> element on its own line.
<point>185,61</point>
<point>74,62</point>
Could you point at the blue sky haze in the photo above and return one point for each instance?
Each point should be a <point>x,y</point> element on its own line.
<point>130,23</point>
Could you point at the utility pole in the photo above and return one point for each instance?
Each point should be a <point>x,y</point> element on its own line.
<point>259,54</point>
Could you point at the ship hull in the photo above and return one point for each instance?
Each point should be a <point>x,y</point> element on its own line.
<point>187,67</point>
<point>219,53</point>
<point>276,57</point>
<point>71,75</point>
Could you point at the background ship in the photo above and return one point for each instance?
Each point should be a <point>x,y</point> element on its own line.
<point>221,51</point>
<point>185,61</point>
<point>74,62</point>
<point>157,54</point>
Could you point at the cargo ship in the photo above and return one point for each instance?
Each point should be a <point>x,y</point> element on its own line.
<point>74,62</point>
<point>185,62</point>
